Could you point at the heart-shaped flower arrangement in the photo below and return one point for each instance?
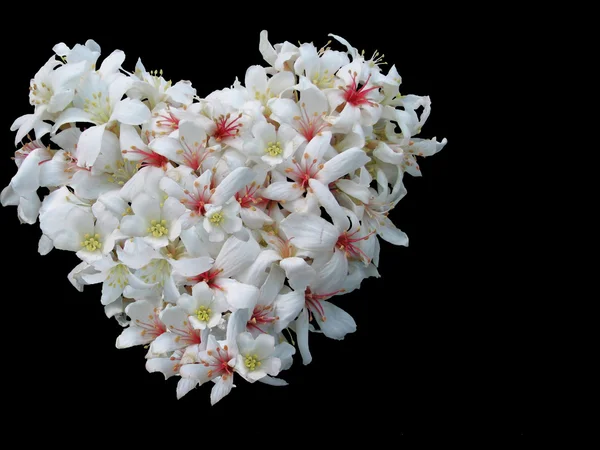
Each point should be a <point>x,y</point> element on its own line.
<point>221,227</point>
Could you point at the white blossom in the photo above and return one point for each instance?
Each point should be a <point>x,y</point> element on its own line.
<point>223,229</point>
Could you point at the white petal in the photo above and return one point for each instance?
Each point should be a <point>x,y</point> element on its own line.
<point>234,182</point>
<point>221,388</point>
<point>283,190</point>
<point>310,232</point>
<point>134,226</point>
<point>302,337</point>
<point>393,235</point>
<point>131,112</point>
<point>342,164</point>
<point>272,286</point>
<point>299,272</point>
<point>354,189</point>
<point>239,295</point>
<point>133,336</point>
<point>184,386</point>
<point>287,308</point>
<point>71,115</point>
<point>164,366</point>
<point>189,267</point>
<point>331,205</point>
<point>112,63</point>
<point>338,322</point>
<point>235,256</point>
<point>89,146</point>
<point>166,343</point>
<point>254,218</point>
<point>331,276</point>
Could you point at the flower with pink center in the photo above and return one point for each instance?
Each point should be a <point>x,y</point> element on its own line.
<point>180,332</point>
<point>334,322</point>
<point>22,190</point>
<point>252,204</point>
<point>145,325</point>
<point>226,127</point>
<point>234,257</point>
<point>307,116</point>
<point>197,193</point>
<point>310,170</point>
<point>276,307</point>
<point>317,235</point>
<point>356,99</point>
<point>216,363</point>
<point>189,149</point>
<point>134,149</point>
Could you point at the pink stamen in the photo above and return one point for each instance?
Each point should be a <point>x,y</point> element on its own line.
<point>189,336</point>
<point>227,128</point>
<point>249,198</point>
<point>198,200</point>
<point>168,121</point>
<point>149,158</point>
<point>358,97</point>
<point>302,173</point>
<point>346,243</point>
<point>261,316</point>
<point>309,126</point>
<point>194,156</point>
<point>219,362</point>
<point>208,278</point>
<point>155,328</point>
<point>313,301</point>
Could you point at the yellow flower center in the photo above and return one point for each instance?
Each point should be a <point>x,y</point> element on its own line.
<point>217,218</point>
<point>91,243</point>
<point>158,229</point>
<point>274,149</point>
<point>252,362</point>
<point>203,314</point>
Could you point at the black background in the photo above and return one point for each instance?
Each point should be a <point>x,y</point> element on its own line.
<point>442,343</point>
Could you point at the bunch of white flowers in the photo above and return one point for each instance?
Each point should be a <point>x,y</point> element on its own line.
<point>219,227</point>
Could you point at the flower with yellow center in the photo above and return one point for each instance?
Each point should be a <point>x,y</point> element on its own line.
<point>158,229</point>
<point>91,243</point>
<point>274,149</point>
<point>252,362</point>
<point>217,218</point>
<point>203,313</point>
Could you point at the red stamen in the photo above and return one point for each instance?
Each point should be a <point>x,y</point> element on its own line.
<point>249,198</point>
<point>309,126</point>
<point>346,243</point>
<point>358,97</point>
<point>226,128</point>
<point>261,316</point>
<point>149,158</point>
<point>208,277</point>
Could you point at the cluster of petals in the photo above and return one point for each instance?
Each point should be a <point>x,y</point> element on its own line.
<point>223,230</point>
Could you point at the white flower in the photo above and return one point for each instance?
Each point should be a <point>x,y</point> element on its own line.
<point>189,149</point>
<point>270,145</point>
<point>145,326</point>
<point>216,363</point>
<point>255,358</point>
<point>204,308</point>
<point>221,228</point>
<point>222,220</point>
<point>156,220</point>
